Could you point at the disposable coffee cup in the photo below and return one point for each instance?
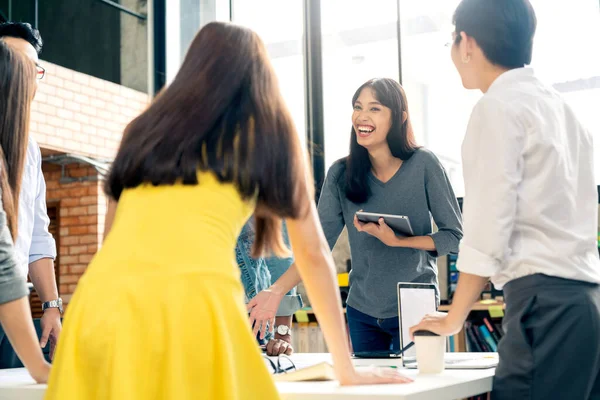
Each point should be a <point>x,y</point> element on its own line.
<point>430,352</point>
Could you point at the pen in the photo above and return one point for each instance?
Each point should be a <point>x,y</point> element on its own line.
<point>408,346</point>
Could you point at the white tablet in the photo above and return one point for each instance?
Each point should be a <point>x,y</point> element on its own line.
<point>399,223</point>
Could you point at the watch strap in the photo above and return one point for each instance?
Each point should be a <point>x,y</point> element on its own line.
<point>57,303</point>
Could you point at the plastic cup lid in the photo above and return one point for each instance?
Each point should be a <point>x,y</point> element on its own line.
<point>424,333</point>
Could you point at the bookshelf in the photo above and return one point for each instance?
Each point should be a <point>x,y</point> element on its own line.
<point>482,330</point>
<point>310,311</point>
<point>479,306</point>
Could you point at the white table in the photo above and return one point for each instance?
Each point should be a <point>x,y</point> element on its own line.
<point>16,384</point>
<point>451,384</point>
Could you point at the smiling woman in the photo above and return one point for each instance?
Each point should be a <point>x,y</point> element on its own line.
<point>368,114</point>
<point>386,173</point>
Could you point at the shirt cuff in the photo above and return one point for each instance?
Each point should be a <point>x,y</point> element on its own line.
<point>289,305</point>
<point>474,262</point>
<point>42,248</point>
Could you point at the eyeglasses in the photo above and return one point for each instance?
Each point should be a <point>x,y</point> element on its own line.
<point>283,364</point>
<point>41,72</point>
<point>455,39</point>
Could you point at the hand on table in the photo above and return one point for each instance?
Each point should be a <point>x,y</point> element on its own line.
<point>374,376</point>
<point>40,372</point>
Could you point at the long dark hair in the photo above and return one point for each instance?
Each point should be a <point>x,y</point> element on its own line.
<point>17,89</point>
<point>223,113</point>
<point>400,138</point>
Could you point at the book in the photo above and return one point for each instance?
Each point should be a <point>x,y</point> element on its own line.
<point>472,337</point>
<point>498,327</point>
<point>318,372</point>
<point>468,345</point>
<point>313,338</point>
<point>488,338</point>
<point>492,330</point>
<point>485,347</point>
<point>303,339</point>
<point>322,347</point>
<point>451,346</point>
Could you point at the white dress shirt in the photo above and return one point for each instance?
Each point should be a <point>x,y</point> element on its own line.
<point>34,242</point>
<point>530,201</point>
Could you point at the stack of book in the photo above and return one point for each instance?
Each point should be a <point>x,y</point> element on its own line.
<point>483,335</point>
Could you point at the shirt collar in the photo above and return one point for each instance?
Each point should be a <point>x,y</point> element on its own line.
<point>511,76</point>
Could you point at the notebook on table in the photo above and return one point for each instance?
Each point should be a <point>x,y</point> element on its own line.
<point>284,369</point>
<point>318,372</point>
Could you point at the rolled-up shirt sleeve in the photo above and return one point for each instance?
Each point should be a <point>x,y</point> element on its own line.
<point>42,242</point>
<point>492,154</point>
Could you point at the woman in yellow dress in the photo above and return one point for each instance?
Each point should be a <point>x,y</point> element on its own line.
<point>159,314</point>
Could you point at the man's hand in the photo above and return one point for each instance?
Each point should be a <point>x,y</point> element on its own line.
<point>439,323</point>
<point>51,328</point>
<point>42,276</point>
<point>281,344</point>
<point>380,230</point>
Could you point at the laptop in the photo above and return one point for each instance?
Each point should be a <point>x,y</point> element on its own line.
<point>415,300</point>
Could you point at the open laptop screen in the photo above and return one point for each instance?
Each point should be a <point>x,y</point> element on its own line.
<point>415,300</point>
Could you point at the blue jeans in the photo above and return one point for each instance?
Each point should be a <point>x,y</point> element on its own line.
<point>8,357</point>
<point>372,334</point>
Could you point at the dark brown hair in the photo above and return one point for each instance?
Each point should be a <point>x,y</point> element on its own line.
<point>400,138</point>
<point>223,113</point>
<point>17,89</point>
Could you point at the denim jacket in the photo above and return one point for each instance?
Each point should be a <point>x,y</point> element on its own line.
<point>258,274</point>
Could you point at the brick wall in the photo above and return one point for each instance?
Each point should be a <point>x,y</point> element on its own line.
<point>78,114</point>
<point>79,216</point>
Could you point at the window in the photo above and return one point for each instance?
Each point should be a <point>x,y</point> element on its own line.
<point>90,37</point>
<point>564,55</point>
<point>440,106</point>
<point>280,25</point>
<point>360,42</point>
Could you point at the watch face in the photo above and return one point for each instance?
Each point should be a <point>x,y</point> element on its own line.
<point>283,330</point>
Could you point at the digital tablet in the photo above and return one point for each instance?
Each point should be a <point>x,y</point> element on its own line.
<point>399,223</point>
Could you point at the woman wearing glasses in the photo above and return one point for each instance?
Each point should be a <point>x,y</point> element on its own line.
<point>17,88</point>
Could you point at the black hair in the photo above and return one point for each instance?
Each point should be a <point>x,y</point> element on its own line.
<point>22,30</point>
<point>400,138</point>
<point>503,29</point>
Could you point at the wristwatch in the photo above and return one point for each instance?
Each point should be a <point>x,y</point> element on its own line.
<point>53,304</point>
<point>283,330</point>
